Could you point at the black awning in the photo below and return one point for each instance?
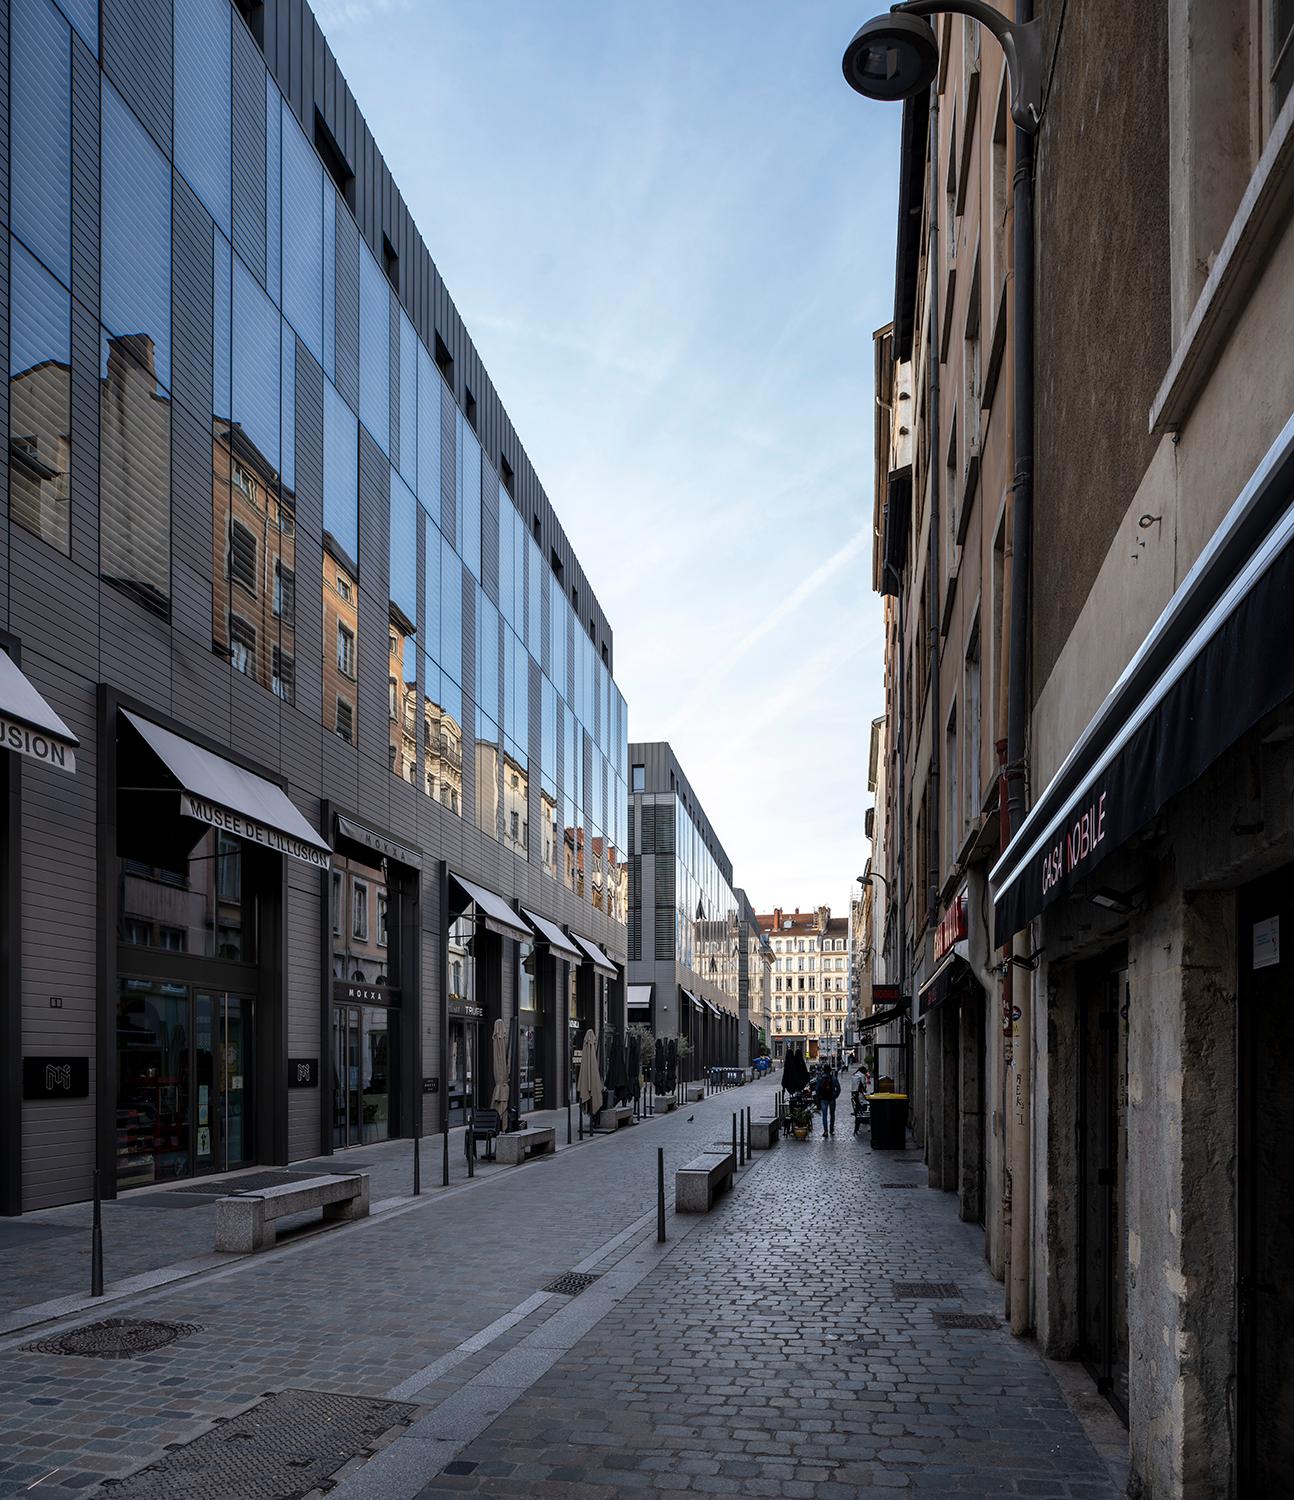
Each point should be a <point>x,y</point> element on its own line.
<point>953,973</point>
<point>884,1017</point>
<point>1215,662</point>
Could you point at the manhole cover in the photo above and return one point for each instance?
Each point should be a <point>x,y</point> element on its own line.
<point>572,1284</point>
<point>912,1290</point>
<point>284,1447</point>
<point>900,1184</point>
<point>115,1338</point>
<point>945,1319</point>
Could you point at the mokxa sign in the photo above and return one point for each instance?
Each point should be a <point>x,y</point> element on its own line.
<point>241,826</point>
<point>1080,839</point>
<point>31,742</point>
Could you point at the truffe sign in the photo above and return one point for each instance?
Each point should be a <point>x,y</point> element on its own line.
<point>243,827</point>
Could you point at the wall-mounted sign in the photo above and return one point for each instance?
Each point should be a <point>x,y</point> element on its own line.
<point>351,992</point>
<point>357,833</point>
<point>885,995</point>
<point>431,1085</point>
<point>35,745</point>
<point>952,927</point>
<point>466,1010</point>
<point>55,1077</point>
<point>303,1072</point>
<point>1267,943</point>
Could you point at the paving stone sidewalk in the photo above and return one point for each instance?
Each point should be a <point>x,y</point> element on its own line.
<point>775,1354</point>
<point>46,1254</point>
<point>356,1310</point>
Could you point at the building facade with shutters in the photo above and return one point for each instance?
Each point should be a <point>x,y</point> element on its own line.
<point>809,1000</point>
<point>315,760</point>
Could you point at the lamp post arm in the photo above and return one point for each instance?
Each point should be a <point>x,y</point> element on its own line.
<point>1020,41</point>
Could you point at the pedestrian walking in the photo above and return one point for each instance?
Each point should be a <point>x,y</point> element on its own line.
<point>826,1094</point>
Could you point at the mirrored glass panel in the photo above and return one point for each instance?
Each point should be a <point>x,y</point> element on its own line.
<point>40,72</point>
<point>40,386</point>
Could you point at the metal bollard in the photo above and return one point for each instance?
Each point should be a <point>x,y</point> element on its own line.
<point>734,1138</point>
<point>417,1167</point>
<point>749,1148</point>
<point>444,1166</point>
<point>470,1143</point>
<point>568,1122</point>
<point>579,1109</point>
<point>741,1121</point>
<point>96,1243</point>
<point>660,1195</point>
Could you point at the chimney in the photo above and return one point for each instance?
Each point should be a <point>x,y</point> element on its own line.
<point>777,918</point>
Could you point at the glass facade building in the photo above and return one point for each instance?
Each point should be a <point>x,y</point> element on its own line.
<point>257,466</point>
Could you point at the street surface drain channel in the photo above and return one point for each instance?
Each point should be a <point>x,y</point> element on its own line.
<point>280,1449</point>
<point>945,1319</point>
<point>900,1184</point>
<point>910,1291</point>
<point>114,1338</point>
<point>572,1284</point>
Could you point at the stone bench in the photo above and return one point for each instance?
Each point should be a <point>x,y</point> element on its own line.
<point>616,1115</point>
<point>514,1147</point>
<point>763,1133</point>
<point>665,1104</point>
<point>696,1184</point>
<point>245,1221</point>
<point>695,1093</point>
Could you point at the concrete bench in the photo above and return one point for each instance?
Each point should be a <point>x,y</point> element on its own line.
<point>245,1221</point>
<point>517,1145</point>
<point>696,1184</point>
<point>695,1093</point>
<point>665,1104</point>
<point>616,1115</point>
<point>763,1133</point>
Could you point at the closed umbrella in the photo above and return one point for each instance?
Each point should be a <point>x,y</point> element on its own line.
<point>499,1060</point>
<point>589,1089</point>
<point>795,1074</point>
<point>635,1064</point>
<point>671,1065</point>
<point>615,1064</point>
<point>658,1070</point>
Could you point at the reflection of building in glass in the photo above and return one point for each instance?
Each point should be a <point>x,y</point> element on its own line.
<point>516,806</point>
<point>340,643</point>
<point>253,573</point>
<point>402,695</point>
<point>135,474</point>
<point>810,982</point>
<point>40,448</point>
<point>360,923</point>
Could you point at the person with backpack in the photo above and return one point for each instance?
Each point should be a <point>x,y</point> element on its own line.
<point>826,1094</point>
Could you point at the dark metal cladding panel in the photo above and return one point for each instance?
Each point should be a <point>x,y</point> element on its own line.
<point>249,152</point>
<point>393,344</point>
<point>191,301</point>
<point>200,683</point>
<point>135,649</point>
<point>191,515</point>
<point>85,174</point>
<point>490,502</point>
<point>52,606</point>
<point>84,477</point>
<point>448,464</point>
<point>136,40</point>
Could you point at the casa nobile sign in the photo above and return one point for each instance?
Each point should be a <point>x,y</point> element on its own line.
<point>243,827</point>
<point>30,742</point>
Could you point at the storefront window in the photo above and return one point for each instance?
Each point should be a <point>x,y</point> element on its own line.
<point>192,905</point>
<point>362,953</point>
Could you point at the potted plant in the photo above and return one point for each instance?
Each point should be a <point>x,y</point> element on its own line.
<point>801,1113</point>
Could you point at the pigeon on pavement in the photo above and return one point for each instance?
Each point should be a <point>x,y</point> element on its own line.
<point>690,1118</point>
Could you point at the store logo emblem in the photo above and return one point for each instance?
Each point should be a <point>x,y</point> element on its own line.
<point>59,1077</point>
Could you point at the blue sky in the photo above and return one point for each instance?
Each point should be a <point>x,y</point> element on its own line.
<point>669,227</point>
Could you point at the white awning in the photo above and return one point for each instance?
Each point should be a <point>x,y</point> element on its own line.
<point>551,934</point>
<point>595,954</point>
<point>214,790</point>
<point>639,996</point>
<point>696,1004</point>
<point>494,911</point>
<point>711,1006</point>
<point>28,724</point>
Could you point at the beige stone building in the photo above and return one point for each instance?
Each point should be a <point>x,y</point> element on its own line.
<point>809,997</point>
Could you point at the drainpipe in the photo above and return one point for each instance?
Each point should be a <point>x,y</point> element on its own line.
<point>1019,695</point>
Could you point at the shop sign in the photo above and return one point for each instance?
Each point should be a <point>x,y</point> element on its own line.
<point>356,832</point>
<point>55,1077</point>
<point>466,1010</point>
<point>431,1085</point>
<point>885,995</point>
<point>30,742</point>
<point>350,993</point>
<point>952,924</point>
<point>240,826</point>
<point>303,1072</point>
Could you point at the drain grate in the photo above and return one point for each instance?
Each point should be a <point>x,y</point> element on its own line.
<point>911,1291</point>
<point>282,1448</point>
<point>220,1187</point>
<point>114,1338</point>
<point>900,1184</point>
<point>572,1284</point>
<point>946,1319</point>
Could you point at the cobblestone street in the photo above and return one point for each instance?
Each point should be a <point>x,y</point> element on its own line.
<point>768,1348</point>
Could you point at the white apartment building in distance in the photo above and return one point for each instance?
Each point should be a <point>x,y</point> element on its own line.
<point>809,1004</point>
